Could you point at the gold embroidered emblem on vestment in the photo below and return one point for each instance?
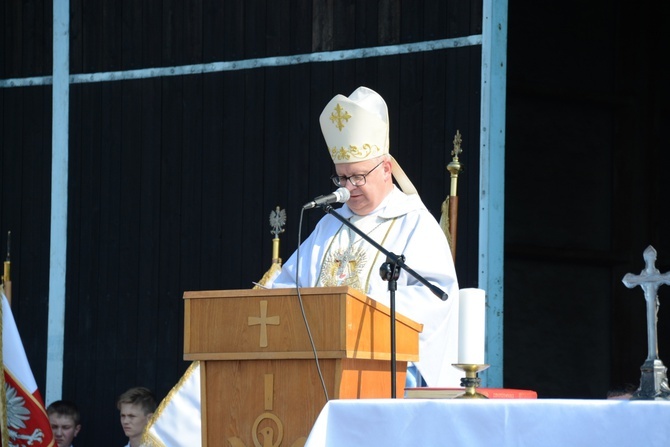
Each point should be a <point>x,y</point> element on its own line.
<point>343,268</point>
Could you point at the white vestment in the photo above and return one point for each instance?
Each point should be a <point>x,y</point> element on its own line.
<point>403,226</point>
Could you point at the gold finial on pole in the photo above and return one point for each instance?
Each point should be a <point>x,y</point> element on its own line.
<point>455,166</point>
<point>277,222</point>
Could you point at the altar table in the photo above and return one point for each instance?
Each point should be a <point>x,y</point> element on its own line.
<point>492,422</point>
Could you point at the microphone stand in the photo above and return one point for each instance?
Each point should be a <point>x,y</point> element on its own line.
<point>389,271</point>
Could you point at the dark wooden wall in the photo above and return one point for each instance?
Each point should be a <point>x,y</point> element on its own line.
<point>586,192</point>
<point>172,179</point>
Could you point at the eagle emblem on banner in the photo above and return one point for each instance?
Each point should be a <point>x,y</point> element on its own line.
<point>24,429</point>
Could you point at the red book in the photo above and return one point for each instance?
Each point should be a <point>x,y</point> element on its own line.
<point>450,393</point>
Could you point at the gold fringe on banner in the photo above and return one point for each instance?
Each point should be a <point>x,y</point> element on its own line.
<point>3,398</point>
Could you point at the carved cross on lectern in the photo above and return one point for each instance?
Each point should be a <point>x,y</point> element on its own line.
<point>263,321</point>
<point>654,382</point>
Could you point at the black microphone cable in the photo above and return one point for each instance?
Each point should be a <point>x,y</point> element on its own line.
<point>302,307</point>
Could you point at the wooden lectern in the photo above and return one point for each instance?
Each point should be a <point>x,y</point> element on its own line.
<point>260,384</point>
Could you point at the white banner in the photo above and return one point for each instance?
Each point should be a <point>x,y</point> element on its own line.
<point>176,422</point>
<point>25,421</point>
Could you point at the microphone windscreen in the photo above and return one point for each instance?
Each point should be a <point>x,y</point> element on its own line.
<point>342,194</point>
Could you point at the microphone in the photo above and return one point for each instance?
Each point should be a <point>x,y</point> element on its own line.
<point>341,195</point>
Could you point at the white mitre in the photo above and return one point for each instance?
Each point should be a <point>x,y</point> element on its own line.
<point>357,129</point>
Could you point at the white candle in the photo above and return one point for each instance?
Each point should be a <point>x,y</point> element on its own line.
<point>471,326</point>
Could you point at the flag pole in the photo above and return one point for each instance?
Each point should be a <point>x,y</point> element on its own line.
<point>7,277</point>
<point>454,168</point>
<point>449,217</point>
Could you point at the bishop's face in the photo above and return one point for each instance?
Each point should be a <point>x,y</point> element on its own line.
<point>378,183</point>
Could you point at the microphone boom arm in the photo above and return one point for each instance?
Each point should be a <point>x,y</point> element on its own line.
<point>399,260</point>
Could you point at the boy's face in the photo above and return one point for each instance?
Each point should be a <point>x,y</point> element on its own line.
<point>64,429</point>
<point>133,419</point>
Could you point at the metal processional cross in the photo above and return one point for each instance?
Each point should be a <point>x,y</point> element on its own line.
<point>654,382</point>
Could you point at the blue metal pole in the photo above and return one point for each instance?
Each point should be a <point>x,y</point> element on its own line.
<point>492,182</point>
<point>59,198</point>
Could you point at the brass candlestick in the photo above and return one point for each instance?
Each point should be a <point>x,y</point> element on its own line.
<point>471,382</point>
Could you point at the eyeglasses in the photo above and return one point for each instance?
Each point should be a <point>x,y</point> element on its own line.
<point>356,180</point>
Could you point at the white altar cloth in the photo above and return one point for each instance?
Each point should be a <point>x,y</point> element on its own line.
<point>492,422</point>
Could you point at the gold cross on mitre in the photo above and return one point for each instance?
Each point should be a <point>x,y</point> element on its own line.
<point>338,116</point>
